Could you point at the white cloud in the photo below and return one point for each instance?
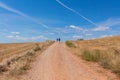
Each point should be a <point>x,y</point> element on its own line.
<point>101,28</point>
<point>61,30</point>
<point>15,33</point>
<point>20,38</point>
<point>106,25</point>
<point>27,39</point>
<point>88,34</point>
<point>10,36</point>
<point>77,37</point>
<point>106,36</point>
<point>38,37</point>
<point>52,33</point>
<point>76,27</point>
<point>111,22</point>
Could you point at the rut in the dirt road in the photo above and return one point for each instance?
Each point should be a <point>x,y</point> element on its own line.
<point>57,63</point>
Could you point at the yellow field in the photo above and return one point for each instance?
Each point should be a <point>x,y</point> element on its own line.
<point>105,51</point>
<point>9,50</point>
<point>15,58</point>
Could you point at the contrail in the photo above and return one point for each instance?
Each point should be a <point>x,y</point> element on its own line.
<point>4,6</point>
<point>76,12</point>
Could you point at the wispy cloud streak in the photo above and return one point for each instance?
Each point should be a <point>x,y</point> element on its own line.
<point>17,37</point>
<point>76,12</point>
<point>6,7</point>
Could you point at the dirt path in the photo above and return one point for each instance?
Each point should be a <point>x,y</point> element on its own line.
<point>57,63</point>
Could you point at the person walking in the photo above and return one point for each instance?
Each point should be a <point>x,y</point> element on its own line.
<point>59,39</point>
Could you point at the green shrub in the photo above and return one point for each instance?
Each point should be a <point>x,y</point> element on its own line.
<point>90,56</point>
<point>70,44</point>
<point>117,69</point>
<point>105,63</point>
<point>106,59</point>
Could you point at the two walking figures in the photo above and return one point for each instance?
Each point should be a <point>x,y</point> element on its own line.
<point>58,39</point>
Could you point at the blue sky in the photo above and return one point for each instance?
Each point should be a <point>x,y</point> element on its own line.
<point>40,20</point>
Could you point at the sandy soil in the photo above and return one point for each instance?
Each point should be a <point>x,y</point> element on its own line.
<point>58,63</point>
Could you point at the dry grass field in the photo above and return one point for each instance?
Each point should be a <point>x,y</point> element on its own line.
<point>8,50</point>
<point>105,51</point>
<point>15,58</point>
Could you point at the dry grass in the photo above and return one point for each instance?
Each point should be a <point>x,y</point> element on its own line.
<point>105,51</point>
<point>18,65</point>
<point>8,50</point>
